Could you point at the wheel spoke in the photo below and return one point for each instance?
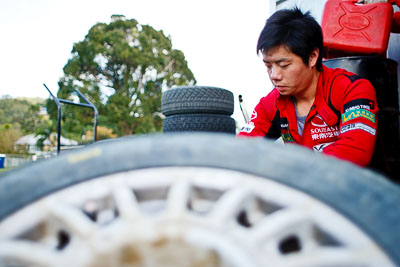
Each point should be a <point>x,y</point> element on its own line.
<point>178,196</point>
<point>126,203</point>
<point>73,219</point>
<point>28,253</point>
<point>230,204</point>
<point>279,224</point>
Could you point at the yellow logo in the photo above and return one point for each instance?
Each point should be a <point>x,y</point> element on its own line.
<point>356,113</point>
<point>287,138</point>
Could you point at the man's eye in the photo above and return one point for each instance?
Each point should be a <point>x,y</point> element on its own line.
<point>284,66</point>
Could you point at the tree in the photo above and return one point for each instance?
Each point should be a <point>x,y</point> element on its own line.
<point>102,134</point>
<point>20,114</point>
<point>122,68</point>
<point>8,136</point>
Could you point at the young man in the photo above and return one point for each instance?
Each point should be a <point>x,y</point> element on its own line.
<point>329,110</point>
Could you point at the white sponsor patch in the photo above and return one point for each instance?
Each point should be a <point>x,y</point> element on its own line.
<point>286,125</point>
<point>321,147</point>
<point>358,126</point>
<point>358,107</point>
<point>248,128</point>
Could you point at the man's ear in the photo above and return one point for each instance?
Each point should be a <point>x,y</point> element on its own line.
<point>312,60</point>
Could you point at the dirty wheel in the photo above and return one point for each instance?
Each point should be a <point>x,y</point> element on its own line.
<point>197,200</point>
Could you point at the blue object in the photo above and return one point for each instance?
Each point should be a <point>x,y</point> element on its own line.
<point>2,159</point>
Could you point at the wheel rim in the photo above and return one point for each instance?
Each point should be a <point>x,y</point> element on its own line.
<point>183,216</point>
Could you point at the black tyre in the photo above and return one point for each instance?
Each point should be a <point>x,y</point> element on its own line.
<point>197,99</point>
<point>199,123</point>
<point>250,201</point>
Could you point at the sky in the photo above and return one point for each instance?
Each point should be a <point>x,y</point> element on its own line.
<point>217,37</point>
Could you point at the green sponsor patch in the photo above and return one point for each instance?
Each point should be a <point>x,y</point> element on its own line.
<point>287,138</point>
<point>357,113</point>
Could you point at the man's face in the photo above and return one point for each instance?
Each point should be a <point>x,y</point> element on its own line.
<point>288,72</point>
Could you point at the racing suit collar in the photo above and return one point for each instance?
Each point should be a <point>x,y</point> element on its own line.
<point>321,106</point>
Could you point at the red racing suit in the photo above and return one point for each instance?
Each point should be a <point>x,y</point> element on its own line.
<point>342,121</point>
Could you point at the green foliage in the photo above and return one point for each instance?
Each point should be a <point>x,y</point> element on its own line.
<point>122,68</point>
<point>44,129</point>
<point>20,114</point>
<point>8,136</point>
<point>19,117</point>
<point>103,133</point>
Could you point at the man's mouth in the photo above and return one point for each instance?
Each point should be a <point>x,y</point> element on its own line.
<point>280,87</point>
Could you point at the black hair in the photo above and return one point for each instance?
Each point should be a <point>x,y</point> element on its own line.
<point>297,31</point>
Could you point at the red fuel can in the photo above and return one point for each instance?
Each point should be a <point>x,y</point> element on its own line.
<point>356,28</point>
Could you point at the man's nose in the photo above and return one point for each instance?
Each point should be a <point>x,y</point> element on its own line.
<point>275,74</point>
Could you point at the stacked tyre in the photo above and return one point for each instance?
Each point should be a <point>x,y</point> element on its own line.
<point>198,109</point>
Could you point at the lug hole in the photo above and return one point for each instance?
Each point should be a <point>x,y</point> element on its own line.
<point>291,244</point>
<point>63,240</point>
<point>243,219</point>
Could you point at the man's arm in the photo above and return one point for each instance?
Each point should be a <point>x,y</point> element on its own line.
<point>358,124</point>
<point>262,119</point>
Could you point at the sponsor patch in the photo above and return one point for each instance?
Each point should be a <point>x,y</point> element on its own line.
<point>284,123</point>
<point>248,128</point>
<point>358,126</point>
<point>317,121</point>
<point>321,147</point>
<point>325,130</point>
<point>287,138</point>
<point>321,133</point>
<point>361,103</point>
<point>357,113</point>
<point>327,135</point>
<point>253,115</point>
